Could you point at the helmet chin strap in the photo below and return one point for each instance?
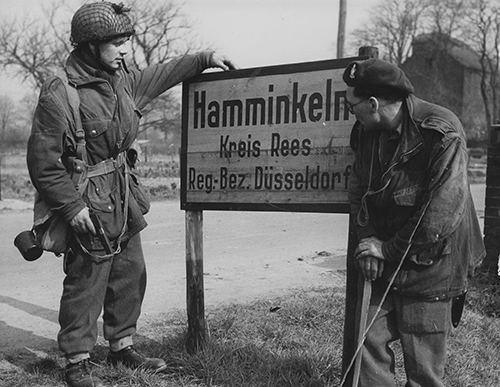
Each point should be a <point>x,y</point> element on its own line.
<point>96,52</point>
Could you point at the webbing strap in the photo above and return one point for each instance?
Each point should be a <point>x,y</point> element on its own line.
<point>104,167</point>
<point>74,115</point>
<point>123,230</point>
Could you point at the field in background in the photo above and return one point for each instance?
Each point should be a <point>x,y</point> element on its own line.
<point>159,175</point>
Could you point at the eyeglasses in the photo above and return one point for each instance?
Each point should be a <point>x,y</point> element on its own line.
<point>350,106</point>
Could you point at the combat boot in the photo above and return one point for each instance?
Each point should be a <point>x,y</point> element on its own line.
<point>130,358</point>
<point>80,375</point>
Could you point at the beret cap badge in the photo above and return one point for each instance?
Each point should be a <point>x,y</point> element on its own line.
<point>352,73</point>
<point>376,76</point>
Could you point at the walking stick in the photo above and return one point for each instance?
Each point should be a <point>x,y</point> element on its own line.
<point>363,305</point>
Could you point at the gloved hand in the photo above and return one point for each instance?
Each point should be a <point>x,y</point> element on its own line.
<point>134,154</point>
<point>132,158</point>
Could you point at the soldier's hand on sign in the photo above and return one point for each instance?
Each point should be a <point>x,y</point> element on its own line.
<point>222,62</point>
<point>370,258</point>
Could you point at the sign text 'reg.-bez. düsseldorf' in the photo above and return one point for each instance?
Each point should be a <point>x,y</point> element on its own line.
<point>274,138</point>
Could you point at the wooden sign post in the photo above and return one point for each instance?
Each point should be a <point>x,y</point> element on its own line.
<point>197,328</point>
<point>263,139</point>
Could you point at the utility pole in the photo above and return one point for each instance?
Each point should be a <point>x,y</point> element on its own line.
<point>0,176</point>
<point>341,30</point>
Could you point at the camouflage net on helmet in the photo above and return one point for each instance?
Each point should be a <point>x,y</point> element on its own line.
<point>100,21</point>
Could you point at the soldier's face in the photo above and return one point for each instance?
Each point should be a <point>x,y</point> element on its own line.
<point>113,52</point>
<point>364,109</point>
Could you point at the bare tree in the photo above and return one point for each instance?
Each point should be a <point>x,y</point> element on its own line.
<point>26,53</point>
<point>447,17</point>
<point>7,112</point>
<point>393,28</point>
<point>14,128</point>
<point>398,22</point>
<point>484,35</point>
<point>161,33</point>
<point>35,49</point>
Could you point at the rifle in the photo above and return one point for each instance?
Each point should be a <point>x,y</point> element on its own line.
<point>100,232</point>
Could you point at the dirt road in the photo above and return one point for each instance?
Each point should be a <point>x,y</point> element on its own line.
<point>246,255</point>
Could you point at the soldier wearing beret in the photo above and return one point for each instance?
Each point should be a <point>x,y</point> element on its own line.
<point>417,231</point>
<point>86,179</point>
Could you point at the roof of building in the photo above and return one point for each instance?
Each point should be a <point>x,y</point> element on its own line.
<point>457,49</point>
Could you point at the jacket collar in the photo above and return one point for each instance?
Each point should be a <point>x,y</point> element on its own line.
<point>81,69</point>
<point>411,140</point>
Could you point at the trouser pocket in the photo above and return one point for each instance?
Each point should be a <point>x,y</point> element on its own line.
<point>416,316</point>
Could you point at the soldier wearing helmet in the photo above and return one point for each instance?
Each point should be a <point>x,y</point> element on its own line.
<point>100,22</point>
<point>93,188</point>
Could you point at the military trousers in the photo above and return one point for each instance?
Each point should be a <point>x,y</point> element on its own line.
<point>116,285</point>
<point>422,328</point>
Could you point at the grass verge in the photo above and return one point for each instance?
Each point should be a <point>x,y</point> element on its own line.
<point>293,340</point>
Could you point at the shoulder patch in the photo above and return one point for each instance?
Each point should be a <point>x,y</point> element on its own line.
<point>55,85</point>
<point>437,124</point>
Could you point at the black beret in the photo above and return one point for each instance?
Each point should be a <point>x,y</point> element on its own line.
<point>375,75</point>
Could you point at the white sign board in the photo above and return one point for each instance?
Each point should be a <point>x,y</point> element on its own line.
<point>273,139</point>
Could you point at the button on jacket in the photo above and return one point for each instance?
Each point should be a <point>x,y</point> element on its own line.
<point>423,190</point>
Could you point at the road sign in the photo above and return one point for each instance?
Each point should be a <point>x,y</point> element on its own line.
<point>272,138</point>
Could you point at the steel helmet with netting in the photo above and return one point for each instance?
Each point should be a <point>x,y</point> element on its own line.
<point>100,21</point>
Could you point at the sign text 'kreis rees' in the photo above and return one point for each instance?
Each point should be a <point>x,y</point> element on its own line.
<point>273,138</point>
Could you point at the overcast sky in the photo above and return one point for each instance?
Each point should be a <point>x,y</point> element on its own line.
<point>252,33</point>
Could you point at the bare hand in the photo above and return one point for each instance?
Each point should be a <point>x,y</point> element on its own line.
<point>82,223</point>
<point>222,62</point>
<point>370,258</point>
<point>372,268</point>
<point>370,246</point>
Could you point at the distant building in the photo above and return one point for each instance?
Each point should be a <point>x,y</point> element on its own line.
<point>448,72</point>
